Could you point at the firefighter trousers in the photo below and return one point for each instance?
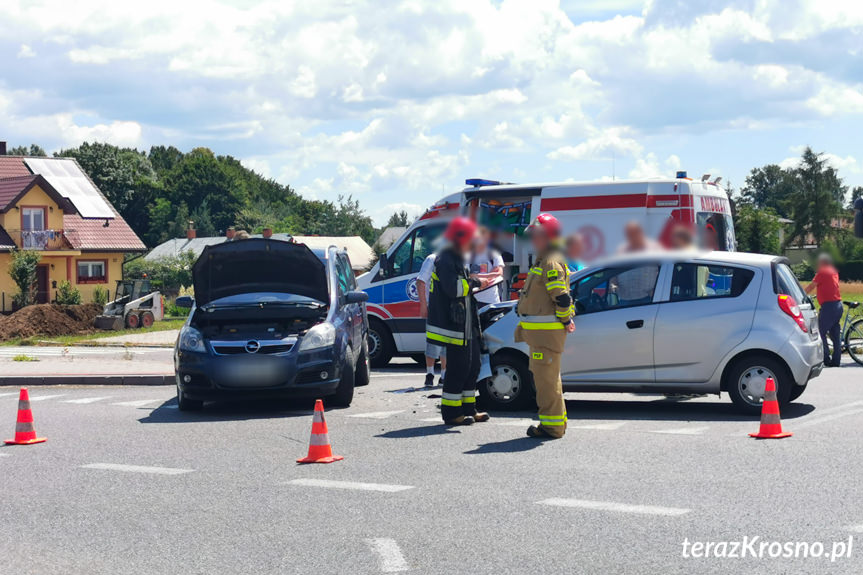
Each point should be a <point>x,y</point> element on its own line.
<point>459,386</point>
<point>545,367</point>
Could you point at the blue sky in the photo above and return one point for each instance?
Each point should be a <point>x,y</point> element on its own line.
<point>398,102</point>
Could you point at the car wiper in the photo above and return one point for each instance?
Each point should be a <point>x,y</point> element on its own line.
<point>262,304</point>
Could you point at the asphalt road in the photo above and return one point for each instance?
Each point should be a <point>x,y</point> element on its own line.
<point>128,484</point>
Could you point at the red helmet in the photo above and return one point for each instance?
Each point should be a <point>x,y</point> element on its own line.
<point>460,231</point>
<point>548,224</point>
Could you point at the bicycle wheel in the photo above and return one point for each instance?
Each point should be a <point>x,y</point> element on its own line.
<point>854,341</point>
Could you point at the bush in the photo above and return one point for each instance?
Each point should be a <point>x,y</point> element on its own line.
<point>100,296</point>
<point>851,271</point>
<point>803,271</point>
<point>167,275</point>
<point>23,273</point>
<point>67,295</point>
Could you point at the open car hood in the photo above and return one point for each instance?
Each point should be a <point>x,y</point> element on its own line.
<point>258,265</point>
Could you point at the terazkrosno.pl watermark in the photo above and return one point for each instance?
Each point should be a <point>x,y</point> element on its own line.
<point>758,548</point>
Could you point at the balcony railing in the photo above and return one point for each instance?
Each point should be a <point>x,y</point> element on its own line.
<point>40,239</point>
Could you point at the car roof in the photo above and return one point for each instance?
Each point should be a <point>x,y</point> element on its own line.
<point>678,255</point>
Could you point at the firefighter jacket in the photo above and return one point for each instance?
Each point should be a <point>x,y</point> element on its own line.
<point>452,315</point>
<point>545,304</point>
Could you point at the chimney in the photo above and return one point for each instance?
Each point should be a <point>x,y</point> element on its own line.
<point>2,148</point>
<point>268,233</point>
<point>191,234</point>
<point>230,233</point>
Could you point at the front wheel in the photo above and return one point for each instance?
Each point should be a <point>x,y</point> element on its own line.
<point>854,341</point>
<point>510,387</point>
<point>344,394</point>
<point>747,381</point>
<point>380,344</point>
<point>363,375</point>
<point>186,404</point>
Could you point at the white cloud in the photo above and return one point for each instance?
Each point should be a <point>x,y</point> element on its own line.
<point>25,51</point>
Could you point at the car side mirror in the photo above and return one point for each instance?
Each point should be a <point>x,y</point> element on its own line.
<point>185,301</point>
<point>384,264</point>
<point>356,297</point>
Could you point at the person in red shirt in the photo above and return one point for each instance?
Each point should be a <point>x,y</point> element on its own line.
<point>826,282</point>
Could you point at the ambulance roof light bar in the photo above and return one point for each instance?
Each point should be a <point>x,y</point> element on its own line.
<point>681,175</point>
<point>479,182</point>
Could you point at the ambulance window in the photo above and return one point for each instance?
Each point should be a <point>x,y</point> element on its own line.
<point>715,232</point>
<point>424,244</point>
<point>401,259</point>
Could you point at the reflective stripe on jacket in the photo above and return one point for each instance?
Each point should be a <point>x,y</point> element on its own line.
<point>451,310</point>
<point>544,303</point>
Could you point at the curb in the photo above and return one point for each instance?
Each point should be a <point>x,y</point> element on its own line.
<point>87,380</point>
<point>96,343</point>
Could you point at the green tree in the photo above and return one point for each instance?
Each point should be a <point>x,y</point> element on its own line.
<point>757,230</point>
<point>857,192</point>
<point>398,220</point>
<point>33,150</point>
<point>166,274</point>
<point>22,270</point>
<point>203,221</point>
<point>816,199</point>
<point>769,187</point>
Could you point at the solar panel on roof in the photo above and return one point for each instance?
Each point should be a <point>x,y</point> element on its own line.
<point>68,179</point>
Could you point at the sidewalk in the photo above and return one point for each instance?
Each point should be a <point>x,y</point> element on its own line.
<point>165,338</point>
<point>83,366</point>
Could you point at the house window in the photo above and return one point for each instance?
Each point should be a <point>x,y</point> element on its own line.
<point>92,272</point>
<point>32,228</point>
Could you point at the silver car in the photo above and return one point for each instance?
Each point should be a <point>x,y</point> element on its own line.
<point>672,322</point>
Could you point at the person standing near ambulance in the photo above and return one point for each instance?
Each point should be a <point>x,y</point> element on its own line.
<point>453,322</point>
<point>545,317</point>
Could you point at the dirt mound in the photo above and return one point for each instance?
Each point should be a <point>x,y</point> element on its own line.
<point>49,320</point>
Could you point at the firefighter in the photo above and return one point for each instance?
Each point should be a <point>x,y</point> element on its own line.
<point>545,317</point>
<point>453,322</point>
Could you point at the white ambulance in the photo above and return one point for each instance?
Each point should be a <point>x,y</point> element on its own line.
<point>597,210</point>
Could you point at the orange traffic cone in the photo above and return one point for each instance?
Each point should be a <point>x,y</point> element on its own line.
<point>771,426</point>
<point>320,450</point>
<point>25,434</point>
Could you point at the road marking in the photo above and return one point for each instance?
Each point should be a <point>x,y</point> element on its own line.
<point>397,374</point>
<point>604,426</point>
<point>391,556</point>
<point>437,419</point>
<point>377,414</point>
<point>515,422</point>
<point>137,468</point>
<point>7,394</point>
<point>613,506</point>
<point>826,418</point>
<point>350,485</point>
<point>683,431</point>
<point>137,403</point>
<point>87,399</point>
<point>43,397</point>
<point>5,454</point>
<point>856,528</point>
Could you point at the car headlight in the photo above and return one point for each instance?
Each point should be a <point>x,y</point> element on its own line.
<point>322,335</point>
<point>192,340</point>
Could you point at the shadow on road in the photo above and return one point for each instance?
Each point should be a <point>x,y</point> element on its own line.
<point>232,411</point>
<point>508,446</point>
<point>422,431</point>
<point>658,410</point>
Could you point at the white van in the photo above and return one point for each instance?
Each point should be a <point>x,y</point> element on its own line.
<point>597,210</point>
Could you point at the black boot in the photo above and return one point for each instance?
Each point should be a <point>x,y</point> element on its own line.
<point>460,420</point>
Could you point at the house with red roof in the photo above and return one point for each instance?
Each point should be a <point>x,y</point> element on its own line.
<point>50,205</point>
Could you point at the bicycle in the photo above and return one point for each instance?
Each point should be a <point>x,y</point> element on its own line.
<point>851,333</point>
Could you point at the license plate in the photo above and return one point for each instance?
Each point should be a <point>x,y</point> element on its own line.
<point>252,372</point>
<point>813,326</point>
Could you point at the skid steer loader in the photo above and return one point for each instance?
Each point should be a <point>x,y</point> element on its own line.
<point>134,305</point>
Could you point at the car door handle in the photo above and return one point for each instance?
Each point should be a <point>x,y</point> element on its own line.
<point>635,323</point>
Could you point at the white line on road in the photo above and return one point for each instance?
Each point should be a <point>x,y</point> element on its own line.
<point>7,394</point>
<point>137,403</point>
<point>683,431</point>
<point>856,528</point>
<point>514,422</point>
<point>137,468</point>
<point>826,418</point>
<point>87,399</point>
<point>391,556</point>
<point>613,506</point>
<point>43,397</point>
<point>397,374</point>
<point>437,419</point>
<point>350,485</point>
<point>5,454</point>
<point>603,426</point>
<point>377,414</point>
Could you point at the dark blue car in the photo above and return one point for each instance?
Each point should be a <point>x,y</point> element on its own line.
<point>272,319</point>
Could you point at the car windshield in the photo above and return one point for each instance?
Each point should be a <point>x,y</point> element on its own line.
<point>271,298</point>
<point>715,232</point>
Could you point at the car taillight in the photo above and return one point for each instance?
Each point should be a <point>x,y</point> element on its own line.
<point>789,306</point>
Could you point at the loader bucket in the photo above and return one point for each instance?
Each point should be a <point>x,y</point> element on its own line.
<point>109,322</point>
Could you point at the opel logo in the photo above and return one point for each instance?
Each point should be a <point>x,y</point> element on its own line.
<point>252,346</point>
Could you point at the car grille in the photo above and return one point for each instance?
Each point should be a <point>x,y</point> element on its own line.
<point>240,347</point>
